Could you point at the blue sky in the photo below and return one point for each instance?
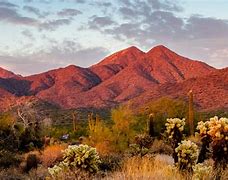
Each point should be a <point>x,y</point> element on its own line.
<point>38,35</point>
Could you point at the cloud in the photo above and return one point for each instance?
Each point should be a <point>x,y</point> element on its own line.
<point>12,16</point>
<point>35,11</point>
<point>7,4</point>
<point>28,34</point>
<point>28,1</point>
<point>97,22</point>
<point>52,25</point>
<point>80,1</point>
<point>69,12</point>
<point>152,22</point>
<point>60,55</point>
<point>104,4</point>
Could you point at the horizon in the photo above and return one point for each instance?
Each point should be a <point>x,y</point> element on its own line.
<point>37,36</point>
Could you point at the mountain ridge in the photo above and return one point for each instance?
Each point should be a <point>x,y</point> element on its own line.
<point>118,78</point>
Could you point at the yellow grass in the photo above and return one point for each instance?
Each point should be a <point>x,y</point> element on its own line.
<point>157,168</point>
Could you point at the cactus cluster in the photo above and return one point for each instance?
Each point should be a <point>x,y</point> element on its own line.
<point>187,153</point>
<point>174,131</point>
<point>83,157</point>
<point>216,131</point>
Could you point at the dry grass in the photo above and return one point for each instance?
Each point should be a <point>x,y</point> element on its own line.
<point>161,147</point>
<point>16,174</point>
<point>52,154</point>
<point>157,168</point>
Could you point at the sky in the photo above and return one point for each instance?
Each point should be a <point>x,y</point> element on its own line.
<point>39,35</point>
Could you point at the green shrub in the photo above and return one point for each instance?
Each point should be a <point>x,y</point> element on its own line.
<point>110,163</point>
<point>164,108</point>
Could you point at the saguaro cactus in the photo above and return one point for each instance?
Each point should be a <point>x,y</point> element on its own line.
<point>74,118</point>
<point>150,125</point>
<point>94,124</point>
<point>190,112</point>
<point>91,122</point>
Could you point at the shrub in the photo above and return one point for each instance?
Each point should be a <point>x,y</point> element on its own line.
<point>187,153</point>
<point>52,154</point>
<point>83,157</point>
<point>164,108</point>
<point>122,130</point>
<point>160,147</point>
<point>8,159</point>
<point>142,145</point>
<point>110,163</point>
<point>31,162</point>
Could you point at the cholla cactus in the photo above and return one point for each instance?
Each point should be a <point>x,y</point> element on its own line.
<point>174,124</point>
<point>201,171</point>
<point>55,170</point>
<point>187,153</point>
<point>83,157</point>
<point>218,131</point>
<point>203,128</point>
<point>174,130</point>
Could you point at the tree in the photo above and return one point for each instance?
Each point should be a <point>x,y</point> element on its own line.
<point>123,122</point>
<point>164,108</point>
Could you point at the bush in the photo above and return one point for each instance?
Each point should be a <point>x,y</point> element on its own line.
<point>142,145</point>
<point>51,155</point>
<point>8,159</point>
<point>110,163</point>
<point>31,162</point>
<point>164,108</point>
<point>160,147</point>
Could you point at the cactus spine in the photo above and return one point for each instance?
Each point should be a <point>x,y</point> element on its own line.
<point>190,112</point>
<point>150,125</point>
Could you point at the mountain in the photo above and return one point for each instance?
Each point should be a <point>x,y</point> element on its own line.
<point>6,74</point>
<point>130,74</point>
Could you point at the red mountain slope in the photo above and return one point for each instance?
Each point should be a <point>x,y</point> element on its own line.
<point>210,92</point>
<point>6,74</point>
<point>121,77</point>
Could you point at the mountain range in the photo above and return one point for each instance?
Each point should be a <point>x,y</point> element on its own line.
<point>128,75</point>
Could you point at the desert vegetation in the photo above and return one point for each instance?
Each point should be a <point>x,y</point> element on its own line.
<point>155,142</point>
